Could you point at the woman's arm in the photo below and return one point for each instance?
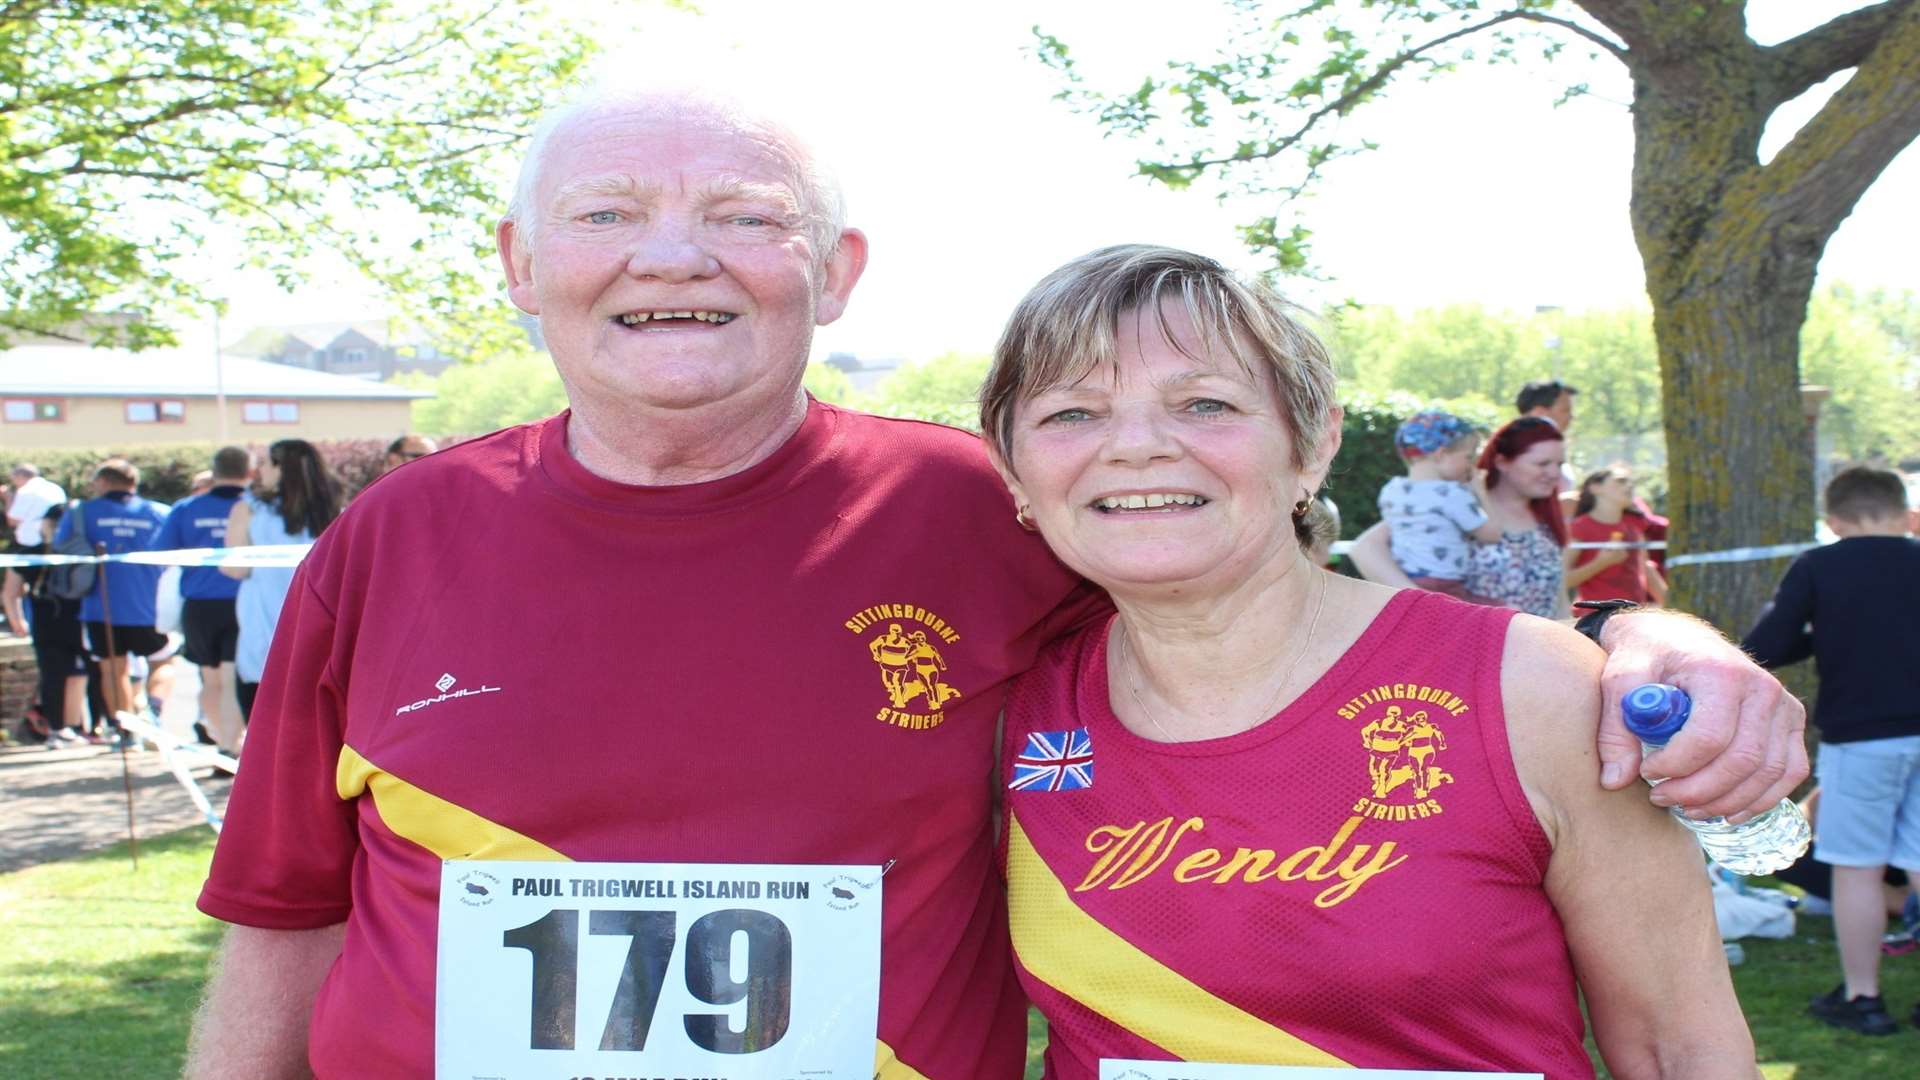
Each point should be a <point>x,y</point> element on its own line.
<point>1373,557</point>
<point>239,520</point>
<point>1656,584</point>
<point>1579,573</point>
<point>1627,880</point>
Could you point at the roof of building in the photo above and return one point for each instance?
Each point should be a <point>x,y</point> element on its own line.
<point>73,371</point>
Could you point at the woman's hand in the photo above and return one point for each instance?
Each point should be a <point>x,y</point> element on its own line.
<point>1744,747</point>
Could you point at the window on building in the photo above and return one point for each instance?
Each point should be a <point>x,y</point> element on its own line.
<point>156,412</point>
<point>354,356</point>
<point>32,411</point>
<point>270,412</point>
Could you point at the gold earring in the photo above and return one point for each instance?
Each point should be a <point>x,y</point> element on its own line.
<point>1025,519</point>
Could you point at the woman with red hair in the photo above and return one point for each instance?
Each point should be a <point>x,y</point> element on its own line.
<point>1522,569</point>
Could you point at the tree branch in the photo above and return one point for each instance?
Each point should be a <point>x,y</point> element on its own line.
<point>1618,50</point>
<point>1813,183</point>
<point>1353,96</point>
<point>1626,18</point>
<point>1843,42</point>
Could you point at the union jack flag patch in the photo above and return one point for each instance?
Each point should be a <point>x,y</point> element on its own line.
<point>1054,761</point>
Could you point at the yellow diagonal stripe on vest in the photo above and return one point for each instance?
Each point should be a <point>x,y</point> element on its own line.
<point>454,832</point>
<point>888,1067</point>
<point>1072,952</point>
<point>448,830</point>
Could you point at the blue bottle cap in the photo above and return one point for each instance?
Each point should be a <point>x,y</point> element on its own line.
<point>1654,711</point>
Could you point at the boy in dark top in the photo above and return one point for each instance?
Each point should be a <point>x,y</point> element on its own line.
<point>1852,606</point>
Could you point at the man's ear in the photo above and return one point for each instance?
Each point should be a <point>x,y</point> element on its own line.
<point>516,259</point>
<point>843,270</point>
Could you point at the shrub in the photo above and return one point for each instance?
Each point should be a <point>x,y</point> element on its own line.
<point>1367,457</point>
<point>166,471</point>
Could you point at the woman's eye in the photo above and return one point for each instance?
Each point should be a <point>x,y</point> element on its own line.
<point>1208,406</point>
<point>602,217</point>
<point>1069,416</point>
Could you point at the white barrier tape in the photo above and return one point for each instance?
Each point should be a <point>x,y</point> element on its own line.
<point>261,555</point>
<point>1744,554</point>
<point>181,756</point>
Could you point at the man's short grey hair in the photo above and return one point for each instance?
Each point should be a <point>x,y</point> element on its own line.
<point>823,202</point>
<point>26,469</point>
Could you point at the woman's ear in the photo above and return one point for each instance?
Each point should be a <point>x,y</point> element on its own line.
<point>1314,474</point>
<point>1006,474</point>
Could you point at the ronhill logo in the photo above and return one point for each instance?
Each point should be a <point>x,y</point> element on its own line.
<point>445,684</point>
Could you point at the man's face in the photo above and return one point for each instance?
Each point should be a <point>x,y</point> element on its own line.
<point>1561,412</point>
<point>671,263</point>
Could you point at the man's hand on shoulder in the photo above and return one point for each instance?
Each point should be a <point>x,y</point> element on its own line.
<point>1742,750</point>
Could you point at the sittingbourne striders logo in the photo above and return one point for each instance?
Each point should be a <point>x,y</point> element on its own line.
<point>905,641</point>
<point>1401,733</point>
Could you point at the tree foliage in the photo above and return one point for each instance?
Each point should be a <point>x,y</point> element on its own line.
<point>1729,243</point>
<point>471,399</point>
<point>131,128</point>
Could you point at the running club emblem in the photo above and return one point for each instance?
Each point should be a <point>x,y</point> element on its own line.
<point>906,643</point>
<point>1405,744</point>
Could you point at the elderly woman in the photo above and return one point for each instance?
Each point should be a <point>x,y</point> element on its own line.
<point>1269,814</point>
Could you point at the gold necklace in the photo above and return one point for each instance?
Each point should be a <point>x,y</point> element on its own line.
<point>1126,676</point>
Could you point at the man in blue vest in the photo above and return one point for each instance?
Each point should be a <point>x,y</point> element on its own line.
<point>200,521</point>
<point>118,614</point>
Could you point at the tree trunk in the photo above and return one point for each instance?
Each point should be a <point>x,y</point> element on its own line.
<point>1738,466</point>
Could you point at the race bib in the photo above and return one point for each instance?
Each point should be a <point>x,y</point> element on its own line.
<point>1115,1069</point>
<point>564,970</point>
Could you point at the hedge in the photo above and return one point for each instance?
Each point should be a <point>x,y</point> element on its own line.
<point>166,471</point>
<point>1367,457</point>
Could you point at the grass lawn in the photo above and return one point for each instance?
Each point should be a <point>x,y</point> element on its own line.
<point>101,965</point>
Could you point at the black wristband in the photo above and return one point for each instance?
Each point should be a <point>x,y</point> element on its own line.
<point>1597,614</point>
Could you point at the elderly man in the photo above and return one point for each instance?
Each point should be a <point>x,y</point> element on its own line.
<point>693,507</point>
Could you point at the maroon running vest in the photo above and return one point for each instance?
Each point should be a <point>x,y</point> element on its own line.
<point>1358,881</point>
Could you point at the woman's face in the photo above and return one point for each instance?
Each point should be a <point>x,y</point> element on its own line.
<point>1613,493</point>
<point>1535,471</point>
<point>268,475</point>
<point>1158,469</point>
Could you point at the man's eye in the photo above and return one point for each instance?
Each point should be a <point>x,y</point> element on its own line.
<point>750,220</point>
<point>1208,406</point>
<point>1070,416</point>
<point>603,217</point>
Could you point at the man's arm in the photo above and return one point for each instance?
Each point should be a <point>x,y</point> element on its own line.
<point>252,1023</point>
<point>1743,749</point>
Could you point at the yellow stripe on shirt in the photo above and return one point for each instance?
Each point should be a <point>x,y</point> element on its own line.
<point>1071,951</point>
<point>447,830</point>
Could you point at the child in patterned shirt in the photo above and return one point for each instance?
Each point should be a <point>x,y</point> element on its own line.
<point>1433,513</point>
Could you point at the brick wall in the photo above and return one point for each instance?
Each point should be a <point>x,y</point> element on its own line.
<point>19,678</point>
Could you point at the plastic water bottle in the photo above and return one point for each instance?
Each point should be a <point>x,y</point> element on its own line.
<point>1763,844</point>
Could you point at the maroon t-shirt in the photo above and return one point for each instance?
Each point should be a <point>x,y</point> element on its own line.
<point>689,673</point>
<point>1623,580</point>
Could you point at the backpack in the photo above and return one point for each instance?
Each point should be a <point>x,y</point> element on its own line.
<point>72,581</point>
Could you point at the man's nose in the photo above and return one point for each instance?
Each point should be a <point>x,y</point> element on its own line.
<point>669,248</point>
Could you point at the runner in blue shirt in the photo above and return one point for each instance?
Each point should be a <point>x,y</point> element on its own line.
<point>123,521</point>
<point>207,615</point>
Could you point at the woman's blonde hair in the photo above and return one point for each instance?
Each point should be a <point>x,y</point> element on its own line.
<point>1066,327</point>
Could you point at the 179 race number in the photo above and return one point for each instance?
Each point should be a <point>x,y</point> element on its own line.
<point>558,969</point>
